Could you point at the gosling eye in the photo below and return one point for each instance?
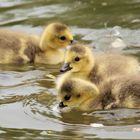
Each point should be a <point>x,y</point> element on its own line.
<point>63,38</point>
<point>67,97</point>
<point>77,59</point>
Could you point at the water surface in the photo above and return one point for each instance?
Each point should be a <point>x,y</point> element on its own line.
<point>27,93</point>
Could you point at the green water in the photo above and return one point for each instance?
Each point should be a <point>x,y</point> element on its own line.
<point>27,93</point>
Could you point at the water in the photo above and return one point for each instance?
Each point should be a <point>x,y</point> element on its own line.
<point>27,93</point>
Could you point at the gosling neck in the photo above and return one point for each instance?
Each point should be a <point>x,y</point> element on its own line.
<point>85,71</point>
<point>45,43</point>
<point>49,55</point>
<point>47,47</point>
<point>51,49</point>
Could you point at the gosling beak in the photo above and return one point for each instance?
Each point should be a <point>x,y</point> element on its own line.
<point>73,42</point>
<point>65,67</point>
<point>61,105</point>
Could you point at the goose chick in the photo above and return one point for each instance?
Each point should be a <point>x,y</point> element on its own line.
<point>79,93</point>
<point>123,92</point>
<point>22,48</point>
<point>80,62</point>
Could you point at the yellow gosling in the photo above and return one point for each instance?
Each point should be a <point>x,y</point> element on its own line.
<point>123,92</point>
<point>20,48</point>
<point>80,62</point>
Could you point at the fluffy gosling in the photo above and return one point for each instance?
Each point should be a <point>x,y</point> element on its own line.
<point>123,92</point>
<point>80,62</point>
<point>20,48</point>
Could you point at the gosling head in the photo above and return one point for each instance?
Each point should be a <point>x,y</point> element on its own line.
<point>77,93</point>
<point>56,36</point>
<point>78,58</point>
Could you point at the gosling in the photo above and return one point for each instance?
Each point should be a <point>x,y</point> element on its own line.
<point>81,63</point>
<point>123,92</point>
<point>22,48</point>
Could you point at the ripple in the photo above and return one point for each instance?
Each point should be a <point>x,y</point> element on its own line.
<point>112,38</point>
<point>19,118</point>
<point>13,78</point>
<point>8,3</point>
<point>42,11</point>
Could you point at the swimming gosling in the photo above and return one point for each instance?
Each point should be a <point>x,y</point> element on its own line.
<point>123,92</point>
<point>21,48</point>
<point>80,62</point>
